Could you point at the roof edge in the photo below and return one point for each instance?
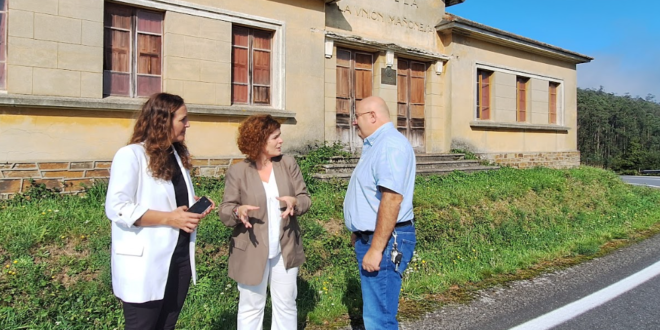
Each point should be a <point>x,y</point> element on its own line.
<point>449,3</point>
<point>451,22</point>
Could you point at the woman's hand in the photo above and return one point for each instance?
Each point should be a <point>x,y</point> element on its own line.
<point>290,205</point>
<point>186,221</point>
<point>209,209</point>
<point>242,212</point>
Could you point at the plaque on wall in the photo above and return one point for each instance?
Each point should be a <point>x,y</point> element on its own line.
<point>388,76</point>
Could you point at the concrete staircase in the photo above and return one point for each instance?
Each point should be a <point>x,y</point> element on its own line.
<point>427,164</point>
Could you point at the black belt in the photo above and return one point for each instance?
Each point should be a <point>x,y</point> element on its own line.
<point>370,232</point>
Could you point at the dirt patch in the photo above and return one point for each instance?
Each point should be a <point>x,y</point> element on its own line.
<point>213,252</point>
<point>333,226</point>
<point>53,254</point>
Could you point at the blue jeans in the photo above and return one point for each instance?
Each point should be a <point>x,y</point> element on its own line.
<point>380,289</point>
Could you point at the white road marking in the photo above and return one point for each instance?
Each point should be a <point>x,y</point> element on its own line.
<point>576,308</point>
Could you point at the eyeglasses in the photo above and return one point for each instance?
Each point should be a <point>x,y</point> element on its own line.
<point>360,114</point>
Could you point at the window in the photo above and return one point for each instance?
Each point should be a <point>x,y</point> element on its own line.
<point>132,59</point>
<point>552,102</point>
<point>3,43</point>
<point>521,98</point>
<point>484,80</point>
<point>251,66</point>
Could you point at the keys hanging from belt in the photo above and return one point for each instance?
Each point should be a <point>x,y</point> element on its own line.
<point>396,255</point>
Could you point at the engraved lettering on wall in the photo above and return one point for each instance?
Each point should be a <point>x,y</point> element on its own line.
<point>396,20</point>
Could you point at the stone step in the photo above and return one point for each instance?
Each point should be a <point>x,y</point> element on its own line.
<point>348,167</point>
<point>431,171</point>
<point>421,158</point>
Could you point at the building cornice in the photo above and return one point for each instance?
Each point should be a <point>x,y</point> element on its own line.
<point>449,3</point>
<point>458,25</point>
<point>122,104</point>
<point>378,45</point>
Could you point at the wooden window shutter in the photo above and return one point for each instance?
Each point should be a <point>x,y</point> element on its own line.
<point>117,50</point>
<point>417,89</point>
<point>552,103</point>
<point>149,52</point>
<point>344,82</point>
<point>261,65</point>
<point>521,84</point>
<point>240,65</point>
<point>3,44</point>
<point>402,85</point>
<point>484,93</point>
<point>363,75</point>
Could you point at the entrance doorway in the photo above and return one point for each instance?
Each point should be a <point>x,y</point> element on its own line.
<point>410,122</point>
<point>354,83</point>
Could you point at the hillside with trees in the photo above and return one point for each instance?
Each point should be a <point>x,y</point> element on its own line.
<point>621,133</point>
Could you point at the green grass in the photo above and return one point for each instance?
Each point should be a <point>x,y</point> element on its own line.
<point>473,230</point>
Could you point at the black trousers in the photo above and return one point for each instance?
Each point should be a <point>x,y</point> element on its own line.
<point>161,314</point>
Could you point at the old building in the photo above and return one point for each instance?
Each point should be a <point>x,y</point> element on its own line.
<point>73,72</point>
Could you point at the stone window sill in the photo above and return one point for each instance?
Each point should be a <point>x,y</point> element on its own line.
<point>132,104</point>
<point>490,125</point>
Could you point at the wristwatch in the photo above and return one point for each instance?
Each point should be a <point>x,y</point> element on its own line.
<point>235,211</point>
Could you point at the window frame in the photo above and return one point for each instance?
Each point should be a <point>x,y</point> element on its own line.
<point>133,51</point>
<point>479,95</point>
<point>251,49</point>
<point>522,99</point>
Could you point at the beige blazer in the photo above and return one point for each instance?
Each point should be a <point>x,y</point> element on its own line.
<point>248,248</point>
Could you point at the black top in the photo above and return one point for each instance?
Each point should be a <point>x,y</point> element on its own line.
<point>182,250</point>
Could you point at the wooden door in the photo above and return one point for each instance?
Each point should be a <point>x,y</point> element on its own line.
<point>411,79</point>
<point>354,83</point>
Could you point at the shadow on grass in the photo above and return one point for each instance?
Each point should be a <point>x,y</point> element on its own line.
<point>226,320</point>
<point>307,300</point>
<point>353,298</point>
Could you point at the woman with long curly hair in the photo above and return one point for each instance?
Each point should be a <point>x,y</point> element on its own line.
<point>153,235</point>
<point>263,197</point>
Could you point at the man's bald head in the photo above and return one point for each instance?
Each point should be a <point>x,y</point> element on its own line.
<point>377,105</point>
<point>371,114</point>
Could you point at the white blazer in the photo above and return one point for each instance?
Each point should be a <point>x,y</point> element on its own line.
<point>141,256</point>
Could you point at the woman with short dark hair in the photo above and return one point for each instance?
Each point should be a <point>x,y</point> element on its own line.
<point>153,235</point>
<point>263,197</point>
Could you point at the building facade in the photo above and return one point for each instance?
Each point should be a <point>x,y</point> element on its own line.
<point>74,72</point>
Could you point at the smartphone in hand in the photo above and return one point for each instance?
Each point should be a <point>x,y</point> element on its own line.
<point>200,206</point>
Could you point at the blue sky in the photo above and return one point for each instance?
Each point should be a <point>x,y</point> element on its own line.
<point>623,37</point>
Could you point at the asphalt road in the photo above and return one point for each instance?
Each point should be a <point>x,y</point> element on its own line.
<point>517,303</point>
<point>652,181</point>
<point>509,306</point>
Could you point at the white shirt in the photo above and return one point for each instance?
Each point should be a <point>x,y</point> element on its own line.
<point>274,215</point>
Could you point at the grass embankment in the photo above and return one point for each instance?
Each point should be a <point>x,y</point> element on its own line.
<point>473,230</point>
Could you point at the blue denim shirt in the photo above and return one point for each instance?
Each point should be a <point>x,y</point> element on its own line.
<point>388,161</point>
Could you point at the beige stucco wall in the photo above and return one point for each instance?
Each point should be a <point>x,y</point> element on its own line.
<point>197,58</point>
<point>468,54</point>
<point>55,48</point>
<point>409,22</point>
